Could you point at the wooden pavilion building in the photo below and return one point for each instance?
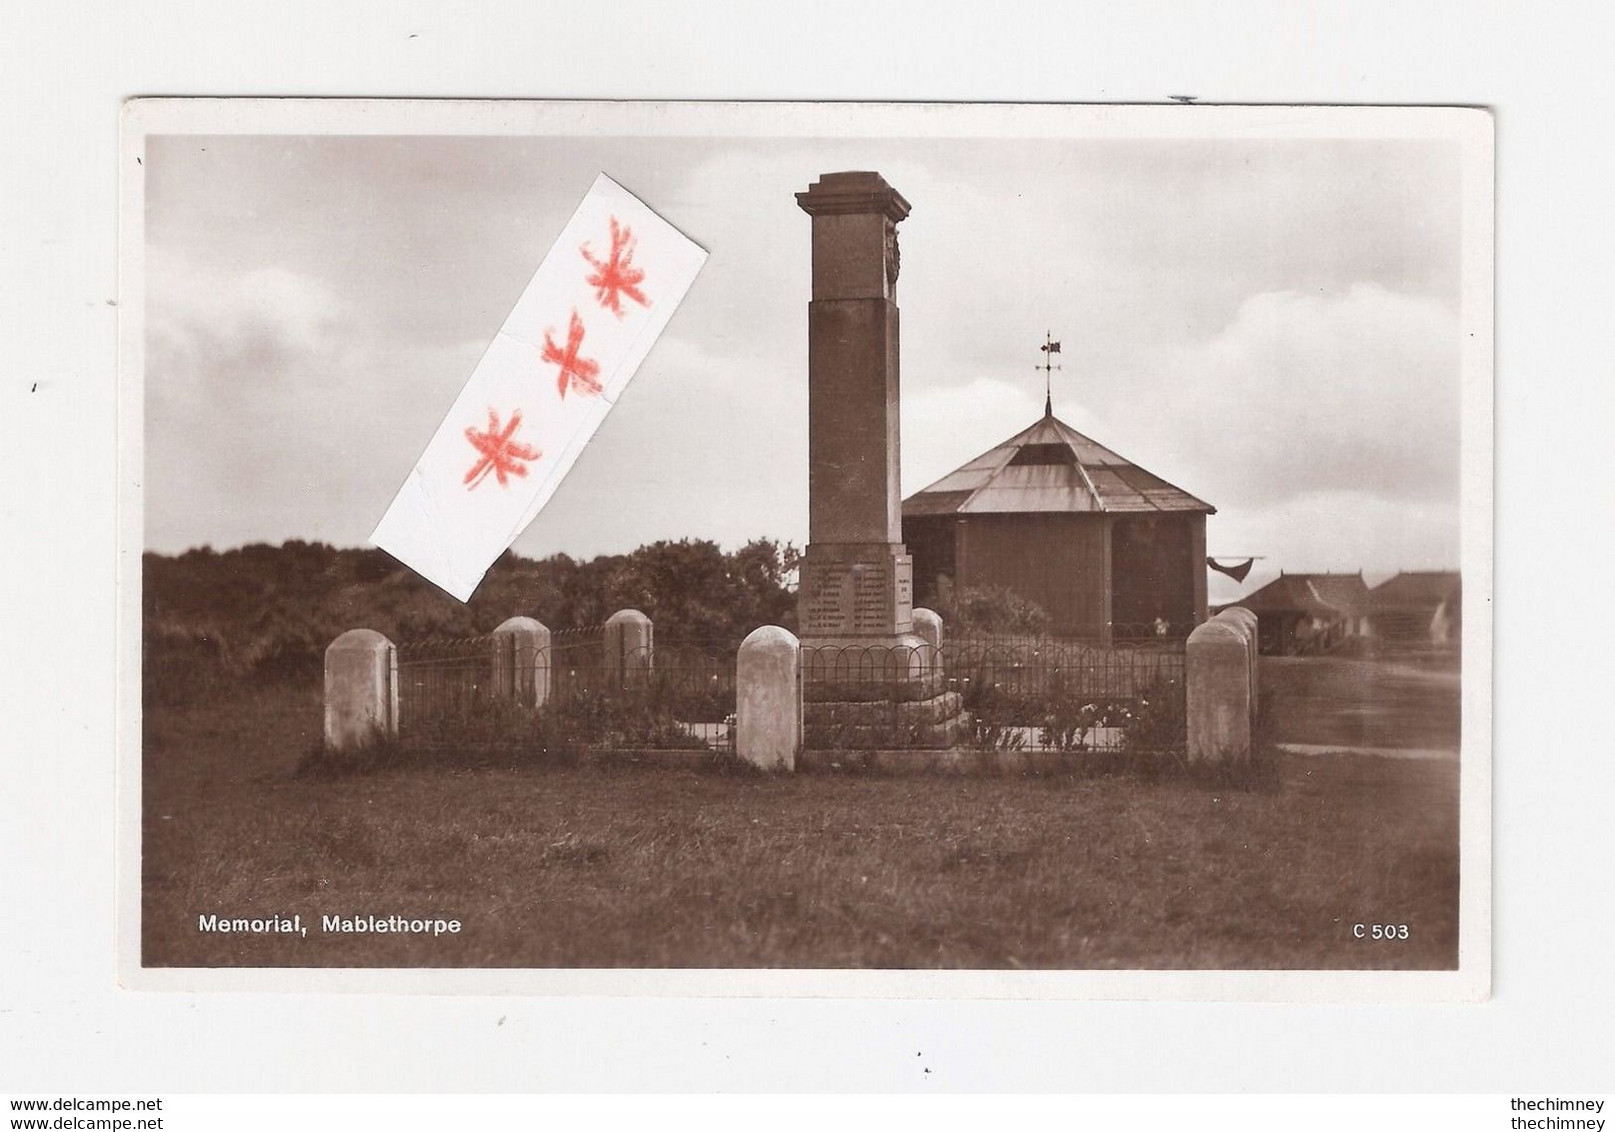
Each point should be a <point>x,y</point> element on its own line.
<point>1109,550</point>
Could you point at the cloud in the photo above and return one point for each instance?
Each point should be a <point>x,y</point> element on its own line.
<point>946,425</point>
<point>1337,530</point>
<point>1260,323</point>
<point>260,327</point>
<point>1307,392</point>
<point>231,360</point>
<point>703,444</point>
<point>1323,426</point>
<point>270,412</point>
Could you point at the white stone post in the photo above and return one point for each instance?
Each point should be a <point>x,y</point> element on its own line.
<point>629,645</point>
<point>1218,672</point>
<point>768,699</point>
<point>1247,622</point>
<point>521,666</point>
<point>361,689</point>
<point>928,627</point>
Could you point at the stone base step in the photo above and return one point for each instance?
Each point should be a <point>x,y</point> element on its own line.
<point>936,709</point>
<point>936,722</point>
<point>857,687</point>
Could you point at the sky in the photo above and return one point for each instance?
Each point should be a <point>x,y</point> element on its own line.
<point>1270,325</point>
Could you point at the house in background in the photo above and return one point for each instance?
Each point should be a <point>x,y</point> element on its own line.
<point>1109,550</point>
<point>1419,606</point>
<point>1305,613</point>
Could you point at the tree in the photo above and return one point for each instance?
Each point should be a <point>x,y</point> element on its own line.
<point>272,610</point>
<point>993,609</point>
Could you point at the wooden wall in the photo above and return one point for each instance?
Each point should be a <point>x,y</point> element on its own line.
<point>1060,561</point>
<point>1084,569</point>
<point>1156,570</point>
<point>929,539</point>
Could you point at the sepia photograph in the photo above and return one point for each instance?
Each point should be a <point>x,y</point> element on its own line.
<point>1034,547</point>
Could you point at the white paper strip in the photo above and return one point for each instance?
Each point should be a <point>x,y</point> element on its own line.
<point>588,317</point>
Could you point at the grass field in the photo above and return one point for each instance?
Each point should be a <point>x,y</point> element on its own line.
<point>629,865</point>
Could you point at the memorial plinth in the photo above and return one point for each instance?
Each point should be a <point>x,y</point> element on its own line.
<point>856,590</point>
<point>855,599</point>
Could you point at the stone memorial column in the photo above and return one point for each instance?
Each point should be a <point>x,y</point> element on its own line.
<point>857,579</point>
<point>866,677</point>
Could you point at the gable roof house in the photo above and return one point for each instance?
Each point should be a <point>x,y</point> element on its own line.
<point>1419,605</point>
<point>1302,613</point>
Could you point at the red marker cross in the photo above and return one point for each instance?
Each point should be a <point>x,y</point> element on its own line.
<point>576,372</point>
<point>617,276</point>
<point>501,455</point>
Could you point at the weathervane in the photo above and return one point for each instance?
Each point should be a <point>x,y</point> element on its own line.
<point>1050,347</point>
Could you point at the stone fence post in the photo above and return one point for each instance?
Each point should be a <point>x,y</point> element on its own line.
<point>928,627</point>
<point>629,645</point>
<point>361,689</point>
<point>1247,620</point>
<point>1219,669</point>
<point>768,699</point>
<point>521,662</point>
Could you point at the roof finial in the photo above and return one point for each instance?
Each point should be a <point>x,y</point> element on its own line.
<point>1050,347</point>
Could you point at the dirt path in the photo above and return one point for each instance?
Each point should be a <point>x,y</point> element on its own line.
<point>1373,706</point>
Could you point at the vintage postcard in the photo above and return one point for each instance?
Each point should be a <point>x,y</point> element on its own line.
<point>1043,551</point>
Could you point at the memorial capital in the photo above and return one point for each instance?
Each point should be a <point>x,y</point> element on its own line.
<point>835,194</point>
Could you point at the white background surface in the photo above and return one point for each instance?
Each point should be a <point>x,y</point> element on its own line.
<point>65,1026</point>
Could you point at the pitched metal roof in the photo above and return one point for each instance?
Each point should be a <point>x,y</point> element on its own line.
<point>1416,589</point>
<point>1317,595</point>
<point>1050,467</point>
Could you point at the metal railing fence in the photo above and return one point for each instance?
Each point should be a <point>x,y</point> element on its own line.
<point>579,694</point>
<point>1023,693</point>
